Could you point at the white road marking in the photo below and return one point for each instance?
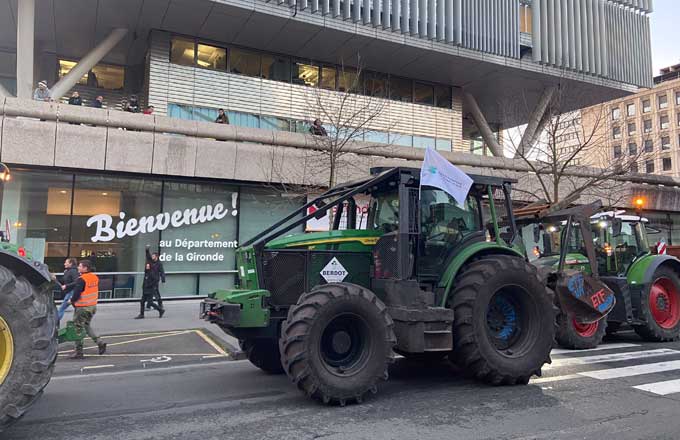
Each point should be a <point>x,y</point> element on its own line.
<point>615,357</point>
<point>634,370</point>
<point>95,367</point>
<point>538,380</point>
<point>561,351</point>
<point>661,388</point>
<point>165,335</point>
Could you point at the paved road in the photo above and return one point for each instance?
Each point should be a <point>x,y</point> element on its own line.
<point>621,391</point>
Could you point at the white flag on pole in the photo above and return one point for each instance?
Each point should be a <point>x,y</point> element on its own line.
<point>442,174</point>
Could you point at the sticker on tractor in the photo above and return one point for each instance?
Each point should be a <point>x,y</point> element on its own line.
<point>334,272</point>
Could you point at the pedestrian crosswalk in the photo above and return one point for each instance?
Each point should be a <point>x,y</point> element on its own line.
<point>610,362</point>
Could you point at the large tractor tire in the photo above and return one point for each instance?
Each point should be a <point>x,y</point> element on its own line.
<point>336,343</point>
<point>28,344</point>
<point>504,324</point>
<point>577,335</point>
<point>660,307</point>
<point>264,354</point>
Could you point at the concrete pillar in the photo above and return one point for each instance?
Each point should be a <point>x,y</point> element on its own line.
<point>482,125</point>
<point>535,119</point>
<point>87,63</point>
<point>25,47</point>
<point>4,92</point>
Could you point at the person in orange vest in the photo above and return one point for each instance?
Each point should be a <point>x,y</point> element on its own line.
<point>84,300</point>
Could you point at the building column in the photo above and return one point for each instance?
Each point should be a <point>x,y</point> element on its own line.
<point>4,92</point>
<point>483,126</point>
<point>536,121</point>
<point>87,63</point>
<point>25,47</point>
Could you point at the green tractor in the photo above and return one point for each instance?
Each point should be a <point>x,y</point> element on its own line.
<point>613,248</point>
<point>427,278</point>
<point>28,331</point>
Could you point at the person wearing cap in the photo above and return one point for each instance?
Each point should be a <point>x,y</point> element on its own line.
<point>42,93</point>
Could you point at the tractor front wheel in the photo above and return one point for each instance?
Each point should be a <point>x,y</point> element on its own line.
<point>264,354</point>
<point>504,321</point>
<point>574,334</point>
<point>660,308</point>
<point>336,343</point>
<point>28,344</point>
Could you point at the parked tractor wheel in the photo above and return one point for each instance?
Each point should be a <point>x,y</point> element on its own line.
<point>504,323</point>
<point>336,343</point>
<point>578,335</point>
<point>264,354</point>
<point>28,344</point>
<point>660,307</point>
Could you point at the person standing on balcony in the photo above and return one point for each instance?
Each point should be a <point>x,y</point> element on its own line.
<point>222,117</point>
<point>75,99</point>
<point>149,110</point>
<point>98,102</point>
<point>317,129</point>
<point>42,93</point>
<point>132,105</point>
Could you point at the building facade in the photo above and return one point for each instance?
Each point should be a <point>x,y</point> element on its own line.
<point>104,183</point>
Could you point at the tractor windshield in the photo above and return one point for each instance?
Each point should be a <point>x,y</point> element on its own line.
<point>384,212</point>
<point>615,253</point>
<point>553,239</point>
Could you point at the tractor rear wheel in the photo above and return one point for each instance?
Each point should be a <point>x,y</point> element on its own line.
<point>660,307</point>
<point>504,323</point>
<point>28,344</point>
<point>578,335</point>
<point>336,343</point>
<point>264,354</point>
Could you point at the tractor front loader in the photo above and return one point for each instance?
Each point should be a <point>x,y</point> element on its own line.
<point>427,278</point>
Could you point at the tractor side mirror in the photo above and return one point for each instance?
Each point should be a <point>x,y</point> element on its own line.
<point>617,224</point>
<point>537,233</point>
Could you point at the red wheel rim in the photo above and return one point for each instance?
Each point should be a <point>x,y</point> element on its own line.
<point>664,303</point>
<point>585,330</point>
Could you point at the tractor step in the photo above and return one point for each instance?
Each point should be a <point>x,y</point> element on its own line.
<point>423,329</point>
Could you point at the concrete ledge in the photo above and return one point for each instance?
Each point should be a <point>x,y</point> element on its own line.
<point>135,121</point>
<point>83,115</point>
<point>215,159</point>
<point>80,147</point>
<point>29,108</point>
<point>130,151</point>
<point>29,142</point>
<point>166,124</point>
<point>253,162</point>
<point>174,155</point>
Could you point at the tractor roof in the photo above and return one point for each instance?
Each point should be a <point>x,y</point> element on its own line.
<point>415,172</point>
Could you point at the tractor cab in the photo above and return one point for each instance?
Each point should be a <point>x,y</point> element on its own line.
<point>619,241</point>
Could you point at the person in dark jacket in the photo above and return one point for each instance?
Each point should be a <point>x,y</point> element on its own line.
<point>152,276</point>
<point>222,117</point>
<point>317,129</point>
<point>75,99</point>
<point>70,276</point>
<point>98,102</point>
<point>152,258</point>
<point>132,105</point>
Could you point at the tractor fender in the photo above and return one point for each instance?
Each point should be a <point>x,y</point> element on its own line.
<point>642,271</point>
<point>35,272</point>
<point>475,251</point>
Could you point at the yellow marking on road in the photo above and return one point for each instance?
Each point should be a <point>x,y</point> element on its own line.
<point>212,343</point>
<point>135,340</point>
<point>145,334</point>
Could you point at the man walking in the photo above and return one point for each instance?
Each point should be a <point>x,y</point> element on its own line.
<point>70,276</point>
<point>84,300</point>
<point>153,273</point>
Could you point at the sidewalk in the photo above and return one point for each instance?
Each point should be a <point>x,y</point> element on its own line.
<point>179,315</point>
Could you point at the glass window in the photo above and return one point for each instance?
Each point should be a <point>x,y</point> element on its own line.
<point>525,18</point>
<point>624,248</point>
<point>663,122</point>
<point>329,76</point>
<point>649,166</point>
<point>349,81</point>
<point>401,89</point>
<point>402,139</point>
<point>630,109</point>
<point>423,142</point>
<point>631,129</point>
<point>244,62</point>
<point>646,106</point>
<point>384,211</point>
<point>617,151</point>
<point>305,74</point>
<point>182,51</point>
<point>649,146</point>
<point>181,111</point>
<point>667,164</point>
<point>102,75</point>
<point>632,148</point>
<point>663,101</point>
<point>677,98</point>
<point>616,132</point>
<point>244,119</point>
<point>204,114</point>
<point>211,57</point>
<point>423,94</point>
<point>276,68</point>
<point>666,143</point>
<point>379,137</point>
<point>442,96</point>
<point>647,125</point>
<point>443,144</point>
<point>375,84</point>
<point>273,123</point>
<point>260,208</point>
<point>616,113</point>
<point>634,167</point>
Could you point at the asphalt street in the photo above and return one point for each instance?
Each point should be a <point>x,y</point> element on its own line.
<point>625,389</point>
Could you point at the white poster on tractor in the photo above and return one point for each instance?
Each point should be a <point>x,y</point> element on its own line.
<point>323,223</point>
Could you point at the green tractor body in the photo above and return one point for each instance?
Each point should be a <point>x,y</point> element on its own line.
<point>428,278</point>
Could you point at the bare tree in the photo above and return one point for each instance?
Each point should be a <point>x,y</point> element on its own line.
<point>571,157</point>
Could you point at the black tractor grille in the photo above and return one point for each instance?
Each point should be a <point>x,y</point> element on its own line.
<point>284,275</point>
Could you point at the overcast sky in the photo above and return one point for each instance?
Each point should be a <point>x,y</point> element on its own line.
<point>665,24</point>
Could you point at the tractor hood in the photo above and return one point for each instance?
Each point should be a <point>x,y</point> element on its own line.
<point>350,240</point>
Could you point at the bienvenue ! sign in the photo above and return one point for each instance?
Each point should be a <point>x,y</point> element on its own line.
<point>105,231</point>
